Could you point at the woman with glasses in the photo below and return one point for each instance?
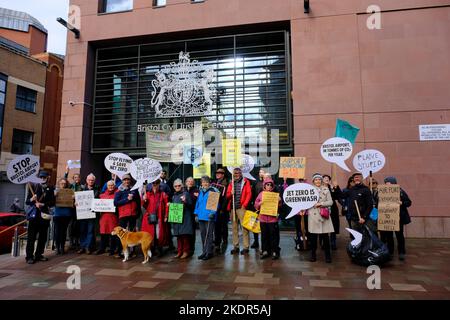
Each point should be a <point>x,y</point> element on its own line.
<point>270,232</point>
<point>183,231</point>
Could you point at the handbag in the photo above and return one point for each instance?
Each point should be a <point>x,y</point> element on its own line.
<point>374,214</point>
<point>251,221</point>
<point>31,212</point>
<point>325,213</point>
<point>153,217</point>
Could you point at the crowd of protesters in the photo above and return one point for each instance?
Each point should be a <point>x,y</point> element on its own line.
<point>148,210</point>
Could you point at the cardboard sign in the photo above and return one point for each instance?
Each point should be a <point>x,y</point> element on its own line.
<point>74,164</point>
<point>213,201</point>
<point>83,199</point>
<point>269,206</point>
<point>23,169</point>
<point>118,164</point>
<point>337,150</point>
<point>103,205</point>
<point>292,167</point>
<point>300,196</point>
<point>369,160</point>
<point>204,168</point>
<point>64,198</point>
<point>388,207</point>
<point>175,213</point>
<point>231,152</point>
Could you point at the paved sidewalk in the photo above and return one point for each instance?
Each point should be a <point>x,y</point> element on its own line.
<point>424,275</point>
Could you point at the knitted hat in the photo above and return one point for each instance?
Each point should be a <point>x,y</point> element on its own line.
<point>390,179</point>
<point>268,180</point>
<point>317,176</point>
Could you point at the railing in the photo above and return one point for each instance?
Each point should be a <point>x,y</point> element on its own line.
<point>16,236</point>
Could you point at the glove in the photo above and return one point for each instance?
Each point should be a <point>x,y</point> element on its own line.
<point>211,216</point>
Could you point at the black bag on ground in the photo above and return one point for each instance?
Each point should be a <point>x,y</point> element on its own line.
<point>370,251</point>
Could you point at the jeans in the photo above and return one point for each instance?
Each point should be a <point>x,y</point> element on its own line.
<point>87,234</point>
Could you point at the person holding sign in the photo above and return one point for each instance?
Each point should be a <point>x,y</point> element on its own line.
<point>221,228</point>
<point>268,218</point>
<point>184,230</point>
<point>388,236</point>
<point>74,225</point>
<point>334,212</point>
<point>239,195</point>
<point>154,221</point>
<point>192,189</point>
<point>108,221</point>
<point>87,226</point>
<point>206,218</point>
<point>319,222</point>
<point>62,216</point>
<point>39,199</point>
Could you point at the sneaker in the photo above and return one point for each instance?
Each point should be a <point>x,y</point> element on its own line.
<point>245,251</point>
<point>234,251</point>
<point>264,255</point>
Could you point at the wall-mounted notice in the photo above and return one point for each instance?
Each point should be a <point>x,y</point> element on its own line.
<point>434,132</point>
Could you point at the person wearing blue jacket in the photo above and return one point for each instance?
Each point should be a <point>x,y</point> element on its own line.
<point>206,218</point>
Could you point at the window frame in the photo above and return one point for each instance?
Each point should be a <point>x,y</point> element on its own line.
<point>15,141</point>
<point>156,5</point>
<point>26,99</point>
<point>102,5</point>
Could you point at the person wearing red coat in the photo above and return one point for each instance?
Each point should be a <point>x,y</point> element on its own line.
<point>156,204</point>
<point>108,221</point>
<point>240,191</point>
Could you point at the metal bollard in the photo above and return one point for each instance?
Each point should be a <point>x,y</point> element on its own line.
<point>16,243</point>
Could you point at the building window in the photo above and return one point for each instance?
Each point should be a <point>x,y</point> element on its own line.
<point>26,99</point>
<point>22,142</point>
<point>3,80</point>
<point>108,6</point>
<point>197,1</point>
<point>159,3</point>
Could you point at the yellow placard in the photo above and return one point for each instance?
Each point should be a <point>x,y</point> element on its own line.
<point>204,169</point>
<point>231,152</point>
<point>269,206</point>
<point>292,167</point>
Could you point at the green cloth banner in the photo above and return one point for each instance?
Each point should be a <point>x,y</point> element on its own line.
<point>175,213</point>
<point>345,130</point>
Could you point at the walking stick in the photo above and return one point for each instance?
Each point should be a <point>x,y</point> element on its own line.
<point>370,182</point>
<point>206,238</point>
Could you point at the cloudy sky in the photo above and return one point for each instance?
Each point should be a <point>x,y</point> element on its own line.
<point>46,11</point>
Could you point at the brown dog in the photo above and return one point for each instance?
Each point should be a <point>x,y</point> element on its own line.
<point>131,239</point>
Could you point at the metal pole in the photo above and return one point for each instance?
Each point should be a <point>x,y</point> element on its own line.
<point>16,243</point>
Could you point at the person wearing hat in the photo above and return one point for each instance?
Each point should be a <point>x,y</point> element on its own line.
<point>357,194</point>
<point>239,195</point>
<point>257,188</point>
<point>320,226</point>
<point>221,226</point>
<point>270,232</point>
<point>388,236</point>
<point>42,197</point>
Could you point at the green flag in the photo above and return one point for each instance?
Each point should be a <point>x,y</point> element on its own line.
<point>346,130</point>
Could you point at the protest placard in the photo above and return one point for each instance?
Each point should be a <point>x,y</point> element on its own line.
<point>231,152</point>
<point>300,196</point>
<point>269,206</point>
<point>83,201</point>
<point>204,168</point>
<point>64,198</point>
<point>118,164</point>
<point>175,213</point>
<point>292,167</point>
<point>74,164</point>
<point>389,207</point>
<point>213,201</point>
<point>145,169</point>
<point>369,160</point>
<point>23,169</point>
<point>337,150</point>
<point>248,163</point>
<point>103,205</point>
